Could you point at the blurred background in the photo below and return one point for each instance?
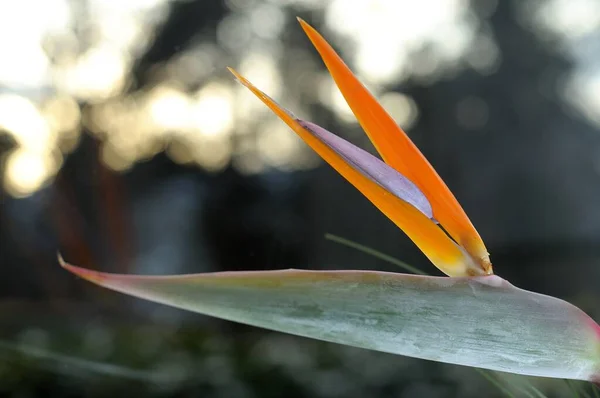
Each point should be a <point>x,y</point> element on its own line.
<point>127,146</point>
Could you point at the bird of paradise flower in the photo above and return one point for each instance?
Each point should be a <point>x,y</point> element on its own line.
<point>472,318</point>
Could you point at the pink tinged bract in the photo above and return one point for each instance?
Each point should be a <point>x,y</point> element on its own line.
<point>483,321</point>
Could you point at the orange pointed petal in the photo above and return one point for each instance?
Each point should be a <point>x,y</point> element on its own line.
<point>396,148</point>
<point>434,243</point>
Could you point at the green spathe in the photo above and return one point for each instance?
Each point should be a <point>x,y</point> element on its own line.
<point>482,322</point>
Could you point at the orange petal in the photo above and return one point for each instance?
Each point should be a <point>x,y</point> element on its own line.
<point>433,242</point>
<point>398,151</point>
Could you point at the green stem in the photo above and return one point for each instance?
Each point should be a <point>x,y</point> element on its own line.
<point>495,382</point>
<point>374,253</point>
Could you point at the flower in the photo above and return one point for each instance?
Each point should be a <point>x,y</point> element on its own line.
<point>474,318</point>
<point>406,188</point>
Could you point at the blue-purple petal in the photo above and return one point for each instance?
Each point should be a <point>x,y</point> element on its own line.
<point>373,168</point>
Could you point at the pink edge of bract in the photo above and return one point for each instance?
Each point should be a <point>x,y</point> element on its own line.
<point>90,275</point>
<point>594,325</point>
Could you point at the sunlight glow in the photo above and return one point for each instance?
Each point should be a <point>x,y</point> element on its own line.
<point>267,20</point>
<point>27,171</point>
<point>572,18</point>
<point>401,107</point>
<point>277,147</point>
<point>387,32</point>
<point>169,108</point>
<point>212,113</point>
<point>99,73</point>
<point>62,114</point>
<point>330,96</point>
<point>24,63</point>
<point>574,24</point>
<point>115,157</point>
<point>52,66</point>
<point>262,71</point>
<point>63,117</point>
<point>582,92</point>
<point>213,153</point>
<point>25,123</point>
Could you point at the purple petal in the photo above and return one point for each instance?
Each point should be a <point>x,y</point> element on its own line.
<point>372,167</point>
